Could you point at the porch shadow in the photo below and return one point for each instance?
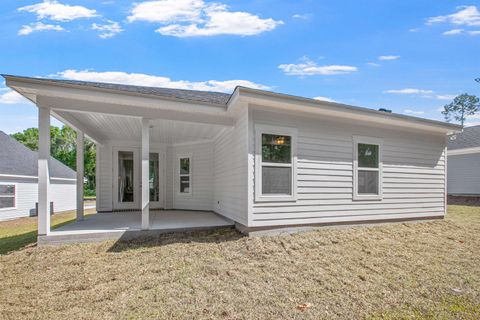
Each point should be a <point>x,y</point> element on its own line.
<point>132,241</point>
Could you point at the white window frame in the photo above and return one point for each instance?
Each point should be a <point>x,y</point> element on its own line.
<point>190,174</point>
<point>259,164</point>
<point>367,140</point>
<point>15,196</point>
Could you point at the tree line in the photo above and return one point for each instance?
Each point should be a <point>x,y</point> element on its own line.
<point>63,148</point>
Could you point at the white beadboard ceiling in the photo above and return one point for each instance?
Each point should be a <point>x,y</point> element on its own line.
<point>112,127</point>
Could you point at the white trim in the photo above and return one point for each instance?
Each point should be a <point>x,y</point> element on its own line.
<point>464,151</point>
<point>445,179</point>
<point>15,176</point>
<point>178,175</point>
<point>367,140</point>
<point>189,143</point>
<point>269,129</point>
<point>15,196</point>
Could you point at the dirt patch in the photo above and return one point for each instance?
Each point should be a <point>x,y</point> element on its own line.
<point>464,200</point>
<point>410,270</point>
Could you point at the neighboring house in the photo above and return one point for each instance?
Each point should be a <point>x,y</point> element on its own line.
<point>464,162</point>
<point>18,181</point>
<point>261,159</point>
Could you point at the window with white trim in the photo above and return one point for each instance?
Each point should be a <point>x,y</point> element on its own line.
<point>8,196</point>
<point>367,165</point>
<point>275,163</point>
<point>184,175</point>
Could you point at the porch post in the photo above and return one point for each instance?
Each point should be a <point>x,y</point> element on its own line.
<point>145,174</point>
<point>43,171</point>
<point>80,174</point>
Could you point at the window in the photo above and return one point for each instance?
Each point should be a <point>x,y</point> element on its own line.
<point>8,196</point>
<point>184,175</point>
<point>275,163</point>
<point>367,167</point>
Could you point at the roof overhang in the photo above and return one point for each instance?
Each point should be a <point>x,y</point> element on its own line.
<point>337,110</point>
<point>455,152</point>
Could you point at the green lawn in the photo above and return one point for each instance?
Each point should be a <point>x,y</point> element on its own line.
<point>427,270</point>
<point>16,234</point>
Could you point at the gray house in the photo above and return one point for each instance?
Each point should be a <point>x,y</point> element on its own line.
<point>255,159</point>
<point>19,181</point>
<point>464,162</point>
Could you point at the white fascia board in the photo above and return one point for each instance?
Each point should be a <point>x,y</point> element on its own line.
<point>463,151</point>
<point>306,105</point>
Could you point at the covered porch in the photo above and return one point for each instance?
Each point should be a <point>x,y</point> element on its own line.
<point>155,165</point>
<point>126,225</point>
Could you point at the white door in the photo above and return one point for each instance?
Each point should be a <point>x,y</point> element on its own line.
<point>127,181</point>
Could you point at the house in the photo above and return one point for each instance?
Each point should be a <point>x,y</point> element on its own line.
<point>18,181</point>
<point>260,159</point>
<point>464,162</point>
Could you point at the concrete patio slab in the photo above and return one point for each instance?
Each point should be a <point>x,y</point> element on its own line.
<point>116,225</point>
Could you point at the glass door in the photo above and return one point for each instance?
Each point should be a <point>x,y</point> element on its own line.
<point>156,180</point>
<point>126,183</point>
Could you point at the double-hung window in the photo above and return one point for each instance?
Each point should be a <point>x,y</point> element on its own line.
<point>185,175</point>
<point>275,163</point>
<point>367,168</point>
<point>8,196</point>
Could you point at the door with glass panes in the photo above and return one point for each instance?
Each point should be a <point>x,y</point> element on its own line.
<point>127,178</point>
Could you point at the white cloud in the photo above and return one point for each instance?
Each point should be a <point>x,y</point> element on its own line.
<point>11,97</point>
<point>388,58</point>
<point>325,99</point>
<point>191,18</point>
<point>409,91</point>
<point>309,68</point>
<point>414,30</point>
<point>53,10</point>
<point>410,111</point>
<point>304,16</point>
<point>156,81</point>
<point>108,30</point>
<point>445,97</point>
<point>453,32</point>
<point>474,33</point>
<point>373,64</point>
<point>38,26</point>
<point>466,16</point>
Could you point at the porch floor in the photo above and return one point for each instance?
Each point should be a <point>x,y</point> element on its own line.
<point>116,225</point>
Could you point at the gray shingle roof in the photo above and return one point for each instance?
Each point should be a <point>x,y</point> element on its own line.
<point>469,138</point>
<point>210,97</point>
<point>16,159</point>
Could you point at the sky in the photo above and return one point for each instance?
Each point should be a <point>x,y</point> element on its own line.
<point>412,57</point>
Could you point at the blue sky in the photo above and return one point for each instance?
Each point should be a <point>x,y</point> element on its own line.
<point>409,56</point>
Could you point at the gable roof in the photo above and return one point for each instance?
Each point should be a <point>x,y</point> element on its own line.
<point>210,97</point>
<point>468,138</point>
<point>225,100</point>
<point>17,159</point>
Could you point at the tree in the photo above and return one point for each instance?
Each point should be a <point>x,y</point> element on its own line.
<point>63,148</point>
<point>462,106</point>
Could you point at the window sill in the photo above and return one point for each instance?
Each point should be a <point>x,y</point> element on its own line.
<point>280,198</point>
<point>367,197</point>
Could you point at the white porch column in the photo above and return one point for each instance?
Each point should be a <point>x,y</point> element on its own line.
<point>80,174</point>
<point>145,174</point>
<point>43,171</point>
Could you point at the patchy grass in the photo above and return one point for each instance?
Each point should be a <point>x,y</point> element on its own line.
<point>19,233</point>
<point>399,271</point>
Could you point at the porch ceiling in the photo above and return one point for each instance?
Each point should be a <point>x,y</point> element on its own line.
<point>105,127</point>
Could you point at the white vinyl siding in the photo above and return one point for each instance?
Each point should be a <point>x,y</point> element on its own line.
<point>201,184</point>
<point>230,171</point>
<point>413,174</point>
<point>63,196</point>
<point>464,174</point>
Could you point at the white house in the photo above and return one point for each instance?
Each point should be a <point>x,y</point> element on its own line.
<point>18,181</point>
<point>261,159</point>
<point>464,162</point>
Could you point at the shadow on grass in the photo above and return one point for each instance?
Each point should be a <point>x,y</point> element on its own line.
<point>21,240</point>
<point>205,236</point>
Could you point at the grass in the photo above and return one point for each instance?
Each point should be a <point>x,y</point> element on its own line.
<point>19,233</point>
<point>428,270</point>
